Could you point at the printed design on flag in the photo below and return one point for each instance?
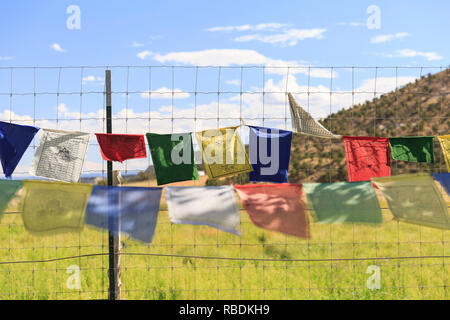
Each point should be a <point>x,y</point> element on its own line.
<point>367,157</point>
<point>276,207</point>
<point>60,155</point>
<point>415,198</point>
<point>342,202</point>
<point>445,146</point>
<point>14,141</point>
<point>223,152</point>
<point>121,147</point>
<point>51,207</point>
<point>270,151</point>
<point>304,123</point>
<point>414,149</point>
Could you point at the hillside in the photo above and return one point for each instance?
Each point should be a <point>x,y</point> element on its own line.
<point>419,108</point>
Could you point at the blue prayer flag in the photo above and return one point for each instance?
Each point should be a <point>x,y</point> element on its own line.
<point>131,210</point>
<point>14,141</point>
<point>444,180</point>
<point>270,150</point>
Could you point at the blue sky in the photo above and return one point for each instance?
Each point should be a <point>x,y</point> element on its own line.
<point>411,35</point>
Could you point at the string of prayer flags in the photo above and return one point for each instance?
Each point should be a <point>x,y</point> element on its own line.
<point>173,157</point>
<point>60,155</point>
<point>8,189</point>
<point>344,202</point>
<point>223,152</point>
<point>14,141</point>
<point>276,207</point>
<point>211,206</point>
<point>445,145</point>
<point>121,147</point>
<point>54,207</point>
<point>131,210</point>
<point>415,198</point>
<point>303,122</point>
<point>413,149</point>
<point>270,151</point>
<point>444,180</point>
<point>367,157</point>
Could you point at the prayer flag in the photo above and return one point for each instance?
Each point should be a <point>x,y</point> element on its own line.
<point>131,210</point>
<point>223,152</point>
<point>14,141</point>
<point>173,157</point>
<point>304,123</point>
<point>444,180</point>
<point>344,202</point>
<point>276,207</point>
<point>54,207</point>
<point>8,189</point>
<point>445,145</point>
<point>60,155</point>
<point>415,198</point>
<point>211,206</point>
<point>414,149</point>
<point>270,151</point>
<point>121,147</point>
<point>367,157</point>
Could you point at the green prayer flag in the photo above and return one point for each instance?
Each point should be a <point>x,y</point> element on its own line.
<point>173,157</point>
<point>415,198</point>
<point>414,149</point>
<point>344,202</point>
<point>8,189</point>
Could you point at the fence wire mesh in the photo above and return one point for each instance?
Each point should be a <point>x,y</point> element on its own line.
<point>196,262</point>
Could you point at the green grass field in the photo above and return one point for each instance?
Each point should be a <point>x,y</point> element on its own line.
<point>153,277</point>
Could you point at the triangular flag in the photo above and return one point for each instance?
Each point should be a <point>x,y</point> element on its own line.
<point>211,206</point>
<point>445,145</point>
<point>173,157</point>
<point>223,152</point>
<point>276,207</point>
<point>303,122</point>
<point>444,180</point>
<point>14,141</point>
<point>415,198</point>
<point>367,157</point>
<point>121,147</point>
<point>270,151</point>
<point>54,207</point>
<point>130,210</point>
<point>414,149</point>
<point>60,155</point>
<point>344,202</point>
<point>8,189</point>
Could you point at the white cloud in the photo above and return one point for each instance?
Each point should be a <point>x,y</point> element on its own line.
<point>247,27</point>
<point>135,44</point>
<point>287,37</point>
<point>57,47</point>
<point>165,93</point>
<point>144,54</point>
<point>6,58</point>
<point>232,57</point>
<point>234,82</point>
<point>389,37</point>
<point>92,79</point>
<point>351,24</point>
<point>410,53</point>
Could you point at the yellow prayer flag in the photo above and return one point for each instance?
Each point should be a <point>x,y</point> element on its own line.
<point>445,145</point>
<point>223,152</point>
<point>54,207</point>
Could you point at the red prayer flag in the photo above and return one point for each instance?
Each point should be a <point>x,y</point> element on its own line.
<point>367,157</point>
<point>120,147</point>
<point>277,207</point>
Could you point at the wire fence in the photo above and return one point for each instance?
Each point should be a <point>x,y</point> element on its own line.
<point>196,262</point>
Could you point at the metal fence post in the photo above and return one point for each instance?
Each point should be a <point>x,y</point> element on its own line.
<point>113,240</point>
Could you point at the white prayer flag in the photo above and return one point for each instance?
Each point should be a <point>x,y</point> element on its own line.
<point>60,155</point>
<point>211,206</point>
<point>303,122</point>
